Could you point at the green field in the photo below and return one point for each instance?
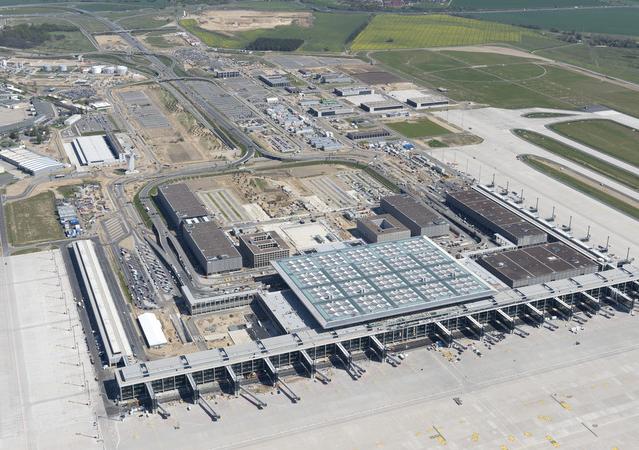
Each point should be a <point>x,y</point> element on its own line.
<point>73,41</point>
<point>606,136</point>
<point>581,158</point>
<point>616,21</point>
<point>521,4</point>
<point>390,31</point>
<point>329,32</point>
<point>507,81</point>
<point>152,20</point>
<point>616,62</point>
<point>418,129</point>
<point>33,219</point>
<point>544,166</point>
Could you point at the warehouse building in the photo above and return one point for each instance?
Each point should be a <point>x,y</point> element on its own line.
<point>178,203</point>
<point>95,150</point>
<point>417,217</point>
<point>427,101</point>
<point>375,133</point>
<point>31,162</point>
<point>382,228</point>
<point>211,248</point>
<point>275,80</point>
<point>381,106</point>
<point>152,330</point>
<point>332,110</point>
<point>538,264</point>
<point>494,217</point>
<point>259,249</point>
<point>334,78</point>
<point>226,73</point>
<point>353,90</point>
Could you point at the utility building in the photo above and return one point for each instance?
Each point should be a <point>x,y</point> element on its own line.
<point>259,249</point>
<point>417,217</point>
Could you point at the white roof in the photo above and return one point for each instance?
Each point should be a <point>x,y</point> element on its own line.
<point>92,149</point>
<point>152,329</point>
<point>367,98</point>
<point>30,161</point>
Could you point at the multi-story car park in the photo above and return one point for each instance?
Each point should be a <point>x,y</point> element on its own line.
<point>211,248</point>
<point>219,301</point>
<point>375,133</point>
<point>494,217</point>
<point>178,203</point>
<point>259,249</point>
<point>275,80</point>
<point>417,217</point>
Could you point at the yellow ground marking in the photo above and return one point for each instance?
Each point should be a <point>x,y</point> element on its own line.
<point>545,418</point>
<point>552,441</point>
<point>474,437</point>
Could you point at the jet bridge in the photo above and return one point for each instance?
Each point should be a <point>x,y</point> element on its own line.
<point>590,303</point>
<point>563,307</point>
<point>307,363</point>
<point>345,356</point>
<point>622,298</point>
<point>195,391</point>
<point>444,333</point>
<point>534,312</point>
<point>152,397</point>
<point>505,319</point>
<point>378,347</point>
<point>271,371</point>
<point>235,382</point>
<point>475,326</point>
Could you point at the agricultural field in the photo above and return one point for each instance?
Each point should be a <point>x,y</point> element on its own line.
<point>418,129</point>
<point>584,159</point>
<point>33,219</point>
<point>324,32</point>
<point>615,21</point>
<point>390,31</point>
<point>583,184</point>
<point>508,81</point>
<point>616,62</point>
<point>606,136</point>
<point>469,5</point>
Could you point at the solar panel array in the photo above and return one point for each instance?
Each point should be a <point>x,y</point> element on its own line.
<point>360,283</point>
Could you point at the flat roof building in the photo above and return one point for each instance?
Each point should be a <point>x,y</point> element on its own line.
<point>152,330</point>
<point>219,301</point>
<point>334,78</point>
<point>538,264</point>
<point>226,73</point>
<point>274,80</point>
<point>179,203</point>
<point>417,217</point>
<point>375,133</point>
<point>332,110</point>
<point>360,284</point>
<point>427,102</point>
<point>494,217</point>
<point>352,90</point>
<point>94,150</point>
<point>210,246</point>
<point>382,228</point>
<point>259,249</point>
<point>30,162</point>
<point>381,106</point>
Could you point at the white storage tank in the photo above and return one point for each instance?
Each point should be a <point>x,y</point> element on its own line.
<point>96,69</point>
<point>122,70</point>
<point>109,70</point>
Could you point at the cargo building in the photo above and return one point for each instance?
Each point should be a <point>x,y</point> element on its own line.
<point>417,217</point>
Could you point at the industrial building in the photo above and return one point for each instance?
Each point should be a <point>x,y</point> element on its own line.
<point>94,150</point>
<point>353,90</point>
<point>211,248</point>
<point>381,106</point>
<point>152,330</point>
<point>375,133</point>
<point>382,228</point>
<point>428,101</point>
<point>494,217</point>
<point>219,301</point>
<point>96,290</point>
<point>226,73</point>
<point>333,78</point>
<point>275,80</point>
<point>538,264</point>
<point>330,110</point>
<point>31,162</point>
<point>417,217</point>
<point>259,249</point>
<point>178,203</point>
